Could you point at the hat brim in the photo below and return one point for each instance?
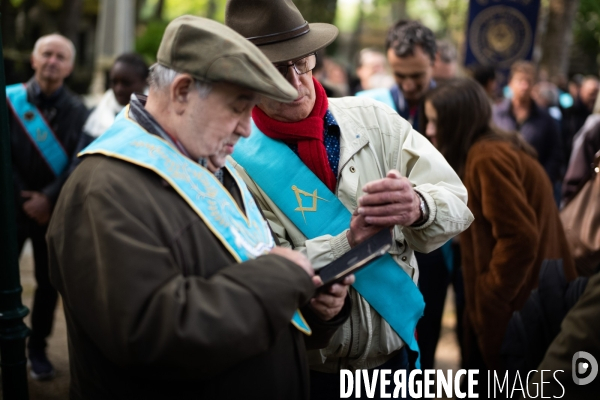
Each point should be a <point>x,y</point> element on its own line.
<point>319,36</point>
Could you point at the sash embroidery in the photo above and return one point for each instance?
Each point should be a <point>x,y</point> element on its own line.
<point>35,126</point>
<point>246,236</point>
<point>383,284</point>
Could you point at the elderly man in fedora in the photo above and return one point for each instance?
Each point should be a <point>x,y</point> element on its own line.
<point>330,173</point>
<point>172,286</point>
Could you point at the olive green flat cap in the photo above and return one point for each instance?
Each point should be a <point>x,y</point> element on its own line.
<point>211,52</point>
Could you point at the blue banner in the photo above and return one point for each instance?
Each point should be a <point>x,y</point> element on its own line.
<point>501,32</point>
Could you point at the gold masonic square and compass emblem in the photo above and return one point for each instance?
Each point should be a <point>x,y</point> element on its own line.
<point>301,207</point>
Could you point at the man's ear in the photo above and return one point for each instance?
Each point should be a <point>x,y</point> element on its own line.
<point>179,92</point>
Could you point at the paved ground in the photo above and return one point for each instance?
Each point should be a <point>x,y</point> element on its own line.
<point>447,354</point>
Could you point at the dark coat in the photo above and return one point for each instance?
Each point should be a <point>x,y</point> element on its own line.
<point>157,308</point>
<point>580,331</point>
<point>580,166</point>
<point>573,119</point>
<point>540,130</point>
<point>516,227</point>
<point>65,114</point>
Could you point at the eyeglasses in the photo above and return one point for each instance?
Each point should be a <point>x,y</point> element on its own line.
<point>301,66</point>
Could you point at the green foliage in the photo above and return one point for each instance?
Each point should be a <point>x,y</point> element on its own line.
<point>587,28</point>
<point>317,10</point>
<point>148,41</point>
<point>175,8</point>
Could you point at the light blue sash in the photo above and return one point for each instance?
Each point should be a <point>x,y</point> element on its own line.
<point>37,129</point>
<point>315,211</point>
<point>246,236</point>
<point>383,95</point>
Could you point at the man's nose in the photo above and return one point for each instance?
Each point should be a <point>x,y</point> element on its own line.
<point>408,85</point>
<point>244,127</point>
<point>293,77</point>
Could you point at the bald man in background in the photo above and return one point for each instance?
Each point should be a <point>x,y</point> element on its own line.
<point>45,122</point>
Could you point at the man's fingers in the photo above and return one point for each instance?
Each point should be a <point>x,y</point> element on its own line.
<point>394,174</point>
<point>27,194</point>
<point>317,281</point>
<point>395,197</point>
<point>385,210</point>
<point>349,280</point>
<point>389,221</point>
<point>326,300</point>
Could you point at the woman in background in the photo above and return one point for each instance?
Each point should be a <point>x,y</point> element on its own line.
<point>516,224</point>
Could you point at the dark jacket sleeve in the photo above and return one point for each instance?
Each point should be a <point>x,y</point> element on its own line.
<point>555,148</point>
<point>580,332</point>
<point>122,282</point>
<point>580,164</point>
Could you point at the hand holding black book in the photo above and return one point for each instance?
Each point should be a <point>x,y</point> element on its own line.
<point>357,258</point>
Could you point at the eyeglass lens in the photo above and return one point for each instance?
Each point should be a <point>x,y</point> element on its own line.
<point>301,66</point>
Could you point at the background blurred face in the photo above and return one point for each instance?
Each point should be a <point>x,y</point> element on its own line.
<point>431,127</point>
<point>298,109</point>
<point>442,70</point>
<point>521,84</point>
<point>588,93</point>
<point>412,73</point>
<point>53,59</point>
<point>372,63</point>
<point>125,79</point>
<point>211,126</point>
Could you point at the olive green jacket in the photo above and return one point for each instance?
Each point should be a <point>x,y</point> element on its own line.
<point>157,308</point>
<point>579,332</point>
<point>373,140</point>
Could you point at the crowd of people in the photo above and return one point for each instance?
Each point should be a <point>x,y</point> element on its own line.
<point>184,220</point>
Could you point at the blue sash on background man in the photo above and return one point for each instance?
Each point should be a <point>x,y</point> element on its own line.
<point>36,127</point>
<point>384,284</point>
<point>245,236</point>
<point>382,94</point>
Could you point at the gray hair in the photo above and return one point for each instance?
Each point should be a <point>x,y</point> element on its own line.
<point>161,78</point>
<point>447,51</point>
<point>38,43</point>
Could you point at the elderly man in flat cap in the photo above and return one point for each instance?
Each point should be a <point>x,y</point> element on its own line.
<point>172,286</point>
<point>330,173</point>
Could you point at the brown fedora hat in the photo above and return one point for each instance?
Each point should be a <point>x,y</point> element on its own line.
<point>278,28</point>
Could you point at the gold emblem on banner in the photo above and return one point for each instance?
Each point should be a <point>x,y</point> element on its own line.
<point>500,35</point>
<point>28,116</point>
<point>301,207</point>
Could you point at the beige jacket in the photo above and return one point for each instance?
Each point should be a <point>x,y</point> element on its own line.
<point>375,139</point>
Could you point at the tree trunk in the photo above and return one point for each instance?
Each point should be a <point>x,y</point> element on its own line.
<point>559,36</point>
<point>158,10</point>
<point>70,16</point>
<point>355,43</point>
<point>399,10</point>
<point>211,9</point>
